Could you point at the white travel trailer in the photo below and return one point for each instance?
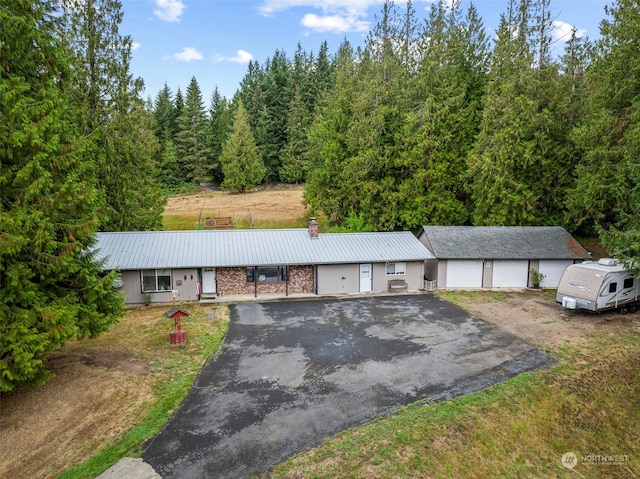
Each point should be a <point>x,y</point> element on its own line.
<point>598,286</point>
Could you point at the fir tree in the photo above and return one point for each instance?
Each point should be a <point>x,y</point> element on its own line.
<point>608,186</point>
<point>295,166</point>
<point>107,106</point>
<point>220,122</point>
<point>193,138</point>
<point>241,163</point>
<point>51,288</point>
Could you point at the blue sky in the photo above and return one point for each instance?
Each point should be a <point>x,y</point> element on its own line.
<point>214,40</point>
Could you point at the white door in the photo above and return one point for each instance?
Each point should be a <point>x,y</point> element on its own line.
<point>365,277</point>
<point>208,280</point>
<point>510,273</point>
<point>464,273</point>
<point>552,270</point>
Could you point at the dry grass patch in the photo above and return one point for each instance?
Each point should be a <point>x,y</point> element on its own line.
<point>103,388</point>
<point>265,208</point>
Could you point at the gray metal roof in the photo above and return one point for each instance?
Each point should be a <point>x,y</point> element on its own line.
<point>202,248</point>
<point>502,242</point>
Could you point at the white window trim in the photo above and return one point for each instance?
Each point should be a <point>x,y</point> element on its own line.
<point>156,290</point>
<point>396,273</point>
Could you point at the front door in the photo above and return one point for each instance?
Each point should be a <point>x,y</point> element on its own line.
<point>208,280</point>
<point>365,277</point>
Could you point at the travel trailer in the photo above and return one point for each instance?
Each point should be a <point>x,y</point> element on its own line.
<point>598,286</point>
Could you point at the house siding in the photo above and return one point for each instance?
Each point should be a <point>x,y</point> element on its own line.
<point>338,278</point>
<point>414,276</point>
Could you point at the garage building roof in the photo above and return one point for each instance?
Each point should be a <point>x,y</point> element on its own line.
<point>220,248</point>
<point>501,242</point>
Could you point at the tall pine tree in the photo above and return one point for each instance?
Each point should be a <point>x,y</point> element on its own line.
<point>193,138</point>
<point>51,288</point>
<point>608,187</point>
<point>107,106</point>
<point>241,162</point>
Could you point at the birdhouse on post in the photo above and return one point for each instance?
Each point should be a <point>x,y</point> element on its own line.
<point>178,336</point>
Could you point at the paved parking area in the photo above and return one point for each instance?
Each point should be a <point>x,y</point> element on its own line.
<point>293,373</point>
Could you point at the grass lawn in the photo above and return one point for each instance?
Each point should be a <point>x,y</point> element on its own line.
<point>172,373</point>
<point>587,404</point>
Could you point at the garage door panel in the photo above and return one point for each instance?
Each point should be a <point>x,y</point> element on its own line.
<point>553,269</point>
<point>510,274</point>
<point>464,274</point>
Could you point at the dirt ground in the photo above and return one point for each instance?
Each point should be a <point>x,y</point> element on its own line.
<point>267,207</point>
<point>534,316</point>
<point>99,389</point>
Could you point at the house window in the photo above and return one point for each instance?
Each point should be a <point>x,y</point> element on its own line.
<point>267,274</point>
<point>628,283</point>
<point>156,280</point>
<point>394,269</point>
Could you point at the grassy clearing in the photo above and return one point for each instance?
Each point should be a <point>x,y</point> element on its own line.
<point>171,373</point>
<point>263,208</point>
<point>588,404</point>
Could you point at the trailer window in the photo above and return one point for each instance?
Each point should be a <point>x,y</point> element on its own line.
<point>613,287</point>
<point>628,283</point>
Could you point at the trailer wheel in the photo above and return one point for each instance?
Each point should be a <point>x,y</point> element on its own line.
<point>623,310</point>
<point>632,308</point>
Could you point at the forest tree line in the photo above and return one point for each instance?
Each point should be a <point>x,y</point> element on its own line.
<point>431,121</point>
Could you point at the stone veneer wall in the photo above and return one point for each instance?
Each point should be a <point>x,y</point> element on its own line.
<point>234,281</point>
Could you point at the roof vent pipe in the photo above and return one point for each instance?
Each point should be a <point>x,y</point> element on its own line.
<point>313,228</point>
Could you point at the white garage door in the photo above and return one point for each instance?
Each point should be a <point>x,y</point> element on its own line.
<point>510,274</point>
<point>553,269</point>
<point>464,274</point>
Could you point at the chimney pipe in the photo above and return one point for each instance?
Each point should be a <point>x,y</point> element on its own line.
<point>313,228</point>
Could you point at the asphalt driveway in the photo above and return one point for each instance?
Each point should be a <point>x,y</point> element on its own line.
<point>293,373</point>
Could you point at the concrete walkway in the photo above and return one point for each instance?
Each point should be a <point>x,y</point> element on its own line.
<point>295,372</point>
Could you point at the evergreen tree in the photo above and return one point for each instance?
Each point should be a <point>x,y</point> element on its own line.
<point>520,159</point>
<point>321,79</point>
<point>241,162</point>
<point>169,166</point>
<point>329,189</point>
<point>440,128</point>
<point>165,113</point>
<point>108,108</point>
<point>355,138</point>
<point>193,138</point>
<point>220,118</point>
<point>251,93</point>
<point>271,130</point>
<point>608,186</point>
<point>51,288</point>
<point>179,103</point>
<point>295,166</point>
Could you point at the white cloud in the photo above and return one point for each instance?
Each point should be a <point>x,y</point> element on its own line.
<point>334,23</point>
<point>135,45</point>
<point>188,54</point>
<point>562,31</point>
<point>169,10</point>
<point>337,16</point>
<point>269,7</point>
<point>242,57</point>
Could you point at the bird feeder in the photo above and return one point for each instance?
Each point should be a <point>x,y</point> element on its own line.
<point>178,336</point>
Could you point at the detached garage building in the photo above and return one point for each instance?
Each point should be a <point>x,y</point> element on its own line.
<point>498,256</point>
